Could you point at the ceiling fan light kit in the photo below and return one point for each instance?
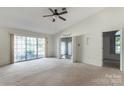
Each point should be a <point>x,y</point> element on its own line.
<point>56,14</point>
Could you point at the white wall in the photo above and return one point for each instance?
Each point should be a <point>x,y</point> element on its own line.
<point>4,47</point>
<point>92,28</point>
<point>5,42</point>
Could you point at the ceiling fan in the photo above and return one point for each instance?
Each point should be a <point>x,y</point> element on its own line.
<point>56,14</point>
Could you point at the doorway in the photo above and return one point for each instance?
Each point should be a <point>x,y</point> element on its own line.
<point>111,49</point>
<point>66,48</point>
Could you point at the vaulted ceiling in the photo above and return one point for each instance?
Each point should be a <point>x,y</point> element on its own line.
<point>31,18</point>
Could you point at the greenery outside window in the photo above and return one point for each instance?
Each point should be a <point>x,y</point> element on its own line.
<point>28,48</point>
<point>117,42</point>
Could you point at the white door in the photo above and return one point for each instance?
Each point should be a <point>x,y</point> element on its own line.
<point>122,51</point>
<point>79,49</point>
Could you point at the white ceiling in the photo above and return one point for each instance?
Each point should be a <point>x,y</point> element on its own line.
<point>31,18</point>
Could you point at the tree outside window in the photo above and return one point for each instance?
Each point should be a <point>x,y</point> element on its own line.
<point>117,42</point>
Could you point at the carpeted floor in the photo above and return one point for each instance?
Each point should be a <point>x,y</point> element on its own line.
<point>55,72</point>
<point>111,63</point>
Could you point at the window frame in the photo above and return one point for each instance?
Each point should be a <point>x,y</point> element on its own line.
<point>37,52</point>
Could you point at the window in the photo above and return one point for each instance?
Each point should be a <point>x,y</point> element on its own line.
<point>63,48</point>
<point>31,48</point>
<point>41,47</point>
<point>69,48</point>
<point>19,48</point>
<point>28,48</point>
<point>117,42</point>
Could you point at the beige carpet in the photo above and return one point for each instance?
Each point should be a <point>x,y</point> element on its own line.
<point>58,72</point>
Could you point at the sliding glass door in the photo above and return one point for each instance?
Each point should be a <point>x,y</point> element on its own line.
<point>41,50</point>
<point>19,48</point>
<point>31,49</point>
<point>28,48</point>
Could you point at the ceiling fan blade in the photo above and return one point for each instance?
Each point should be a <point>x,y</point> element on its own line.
<point>62,18</point>
<point>51,10</point>
<point>47,15</point>
<point>63,13</point>
<point>53,20</point>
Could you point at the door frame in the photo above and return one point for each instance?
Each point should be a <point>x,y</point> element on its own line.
<point>121,54</point>
<point>60,44</point>
<point>12,48</point>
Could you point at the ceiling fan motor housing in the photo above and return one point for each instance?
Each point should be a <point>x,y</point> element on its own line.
<point>63,9</point>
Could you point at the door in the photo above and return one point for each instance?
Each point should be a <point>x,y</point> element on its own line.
<point>122,51</point>
<point>79,49</point>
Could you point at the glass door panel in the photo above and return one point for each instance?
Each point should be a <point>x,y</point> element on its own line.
<point>41,47</point>
<point>19,48</point>
<point>31,48</point>
<point>28,48</point>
